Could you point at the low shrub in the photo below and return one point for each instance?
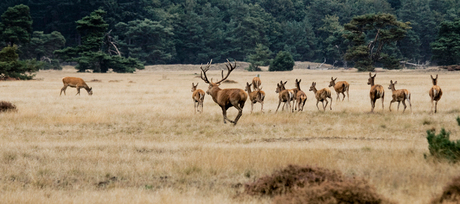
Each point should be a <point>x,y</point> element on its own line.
<point>441,147</point>
<point>7,106</point>
<point>296,184</point>
<point>450,194</point>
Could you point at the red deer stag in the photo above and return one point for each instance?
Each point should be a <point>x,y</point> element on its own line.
<point>198,98</point>
<point>321,95</point>
<point>435,93</point>
<point>284,95</point>
<point>225,98</point>
<point>376,92</point>
<point>75,82</point>
<point>400,95</point>
<point>255,96</point>
<point>340,88</point>
<point>300,96</point>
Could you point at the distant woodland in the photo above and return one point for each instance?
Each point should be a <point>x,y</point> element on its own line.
<point>195,31</point>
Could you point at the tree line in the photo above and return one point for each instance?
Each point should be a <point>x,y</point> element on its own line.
<point>194,31</point>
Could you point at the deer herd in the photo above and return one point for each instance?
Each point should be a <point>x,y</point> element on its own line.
<point>236,98</point>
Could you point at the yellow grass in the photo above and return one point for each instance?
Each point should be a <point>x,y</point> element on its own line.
<point>137,139</point>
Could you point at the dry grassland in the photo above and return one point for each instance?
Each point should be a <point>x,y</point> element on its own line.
<point>137,140</point>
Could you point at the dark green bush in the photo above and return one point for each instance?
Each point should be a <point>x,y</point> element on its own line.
<point>282,62</point>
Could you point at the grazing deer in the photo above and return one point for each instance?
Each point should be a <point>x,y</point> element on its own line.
<point>75,82</point>
<point>284,95</point>
<point>435,93</point>
<point>400,95</point>
<point>225,98</point>
<point>321,95</point>
<point>255,96</point>
<point>340,88</point>
<point>198,98</point>
<point>300,96</point>
<point>376,92</point>
<point>256,83</point>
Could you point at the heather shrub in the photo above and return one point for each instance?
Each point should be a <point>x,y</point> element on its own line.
<point>450,194</point>
<point>285,180</point>
<point>441,147</point>
<point>6,106</point>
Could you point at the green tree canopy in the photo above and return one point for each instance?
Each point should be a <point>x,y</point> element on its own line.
<point>16,25</point>
<point>261,57</point>
<point>370,34</point>
<point>90,53</point>
<point>446,48</point>
<point>11,66</point>
<point>282,62</point>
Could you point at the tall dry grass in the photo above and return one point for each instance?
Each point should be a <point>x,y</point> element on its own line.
<point>138,140</point>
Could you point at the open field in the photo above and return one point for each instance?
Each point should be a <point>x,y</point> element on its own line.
<point>137,139</point>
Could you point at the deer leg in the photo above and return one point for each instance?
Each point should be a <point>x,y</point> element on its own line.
<point>278,106</point>
<point>404,104</point>
<point>435,106</point>
<point>338,96</point>
<point>324,106</point>
<point>224,113</point>
<point>78,91</point>
<point>372,105</point>
<point>383,100</point>
<point>262,106</point>
<point>343,93</point>
<point>399,102</point>
<point>63,89</point>
<point>348,95</point>
<point>408,100</point>
<point>330,105</point>
<point>240,113</point>
<point>252,106</point>
<point>194,105</point>
<point>317,101</point>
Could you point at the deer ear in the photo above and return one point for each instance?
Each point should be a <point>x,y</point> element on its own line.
<point>193,84</point>
<point>332,78</point>
<point>396,82</point>
<point>197,83</point>
<point>374,75</point>
<point>436,76</point>
<point>370,75</point>
<point>335,78</point>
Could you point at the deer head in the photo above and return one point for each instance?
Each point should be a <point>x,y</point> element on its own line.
<point>213,86</point>
<point>313,87</point>
<point>332,83</point>
<point>248,87</point>
<point>194,87</point>
<point>370,81</point>
<point>392,85</point>
<point>435,80</point>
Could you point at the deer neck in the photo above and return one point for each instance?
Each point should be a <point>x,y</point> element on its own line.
<point>314,90</point>
<point>214,91</point>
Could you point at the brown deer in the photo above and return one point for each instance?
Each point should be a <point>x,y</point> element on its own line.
<point>198,98</point>
<point>435,93</point>
<point>255,96</point>
<point>225,98</point>
<point>256,83</point>
<point>321,95</point>
<point>400,95</point>
<point>376,92</point>
<point>340,88</point>
<point>284,95</point>
<point>75,82</point>
<point>300,96</point>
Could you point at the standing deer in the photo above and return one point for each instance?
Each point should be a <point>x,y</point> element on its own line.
<point>285,96</point>
<point>435,93</point>
<point>400,95</point>
<point>256,83</point>
<point>376,92</point>
<point>75,82</point>
<point>340,88</point>
<point>300,96</point>
<point>321,95</point>
<point>198,98</point>
<point>225,98</point>
<point>255,96</point>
